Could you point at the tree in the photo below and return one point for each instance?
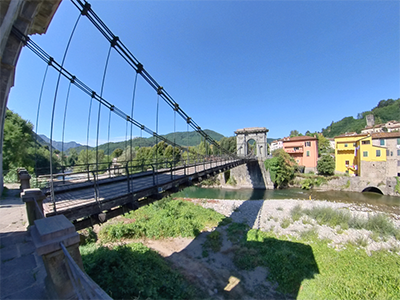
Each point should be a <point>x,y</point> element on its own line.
<point>117,153</point>
<point>72,157</point>
<point>324,145</point>
<point>326,165</point>
<point>294,133</point>
<point>281,168</point>
<point>17,142</point>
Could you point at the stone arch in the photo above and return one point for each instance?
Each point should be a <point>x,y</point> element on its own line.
<point>29,17</point>
<point>372,189</point>
<point>258,134</point>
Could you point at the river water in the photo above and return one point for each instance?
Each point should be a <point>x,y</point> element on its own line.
<point>385,203</point>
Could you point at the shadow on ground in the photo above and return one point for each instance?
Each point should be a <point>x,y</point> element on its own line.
<point>247,265</point>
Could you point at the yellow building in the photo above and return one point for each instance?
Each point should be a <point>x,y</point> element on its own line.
<point>351,149</point>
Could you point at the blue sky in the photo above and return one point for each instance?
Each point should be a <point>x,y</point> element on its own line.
<point>283,65</point>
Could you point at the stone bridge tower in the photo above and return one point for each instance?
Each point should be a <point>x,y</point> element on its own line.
<point>258,134</point>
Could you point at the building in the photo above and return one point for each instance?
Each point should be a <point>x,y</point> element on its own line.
<point>303,149</point>
<point>390,126</point>
<point>356,155</point>
<point>391,141</point>
<point>275,145</point>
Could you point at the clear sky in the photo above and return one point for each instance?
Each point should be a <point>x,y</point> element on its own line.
<point>283,65</point>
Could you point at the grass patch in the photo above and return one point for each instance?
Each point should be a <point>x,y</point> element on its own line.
<point>296,212</point>
<point>315,271</point>
<point>328,216</point>
<point>134,271</point>
<point>213,241</point>
<point>236,231</point>
<point>347,185</point>
<point>165,218</point>
<point>361,241</point>
<point>309,234</point>
<point>379,224</point>
<point>285,223</point>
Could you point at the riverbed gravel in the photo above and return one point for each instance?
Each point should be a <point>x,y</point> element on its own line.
<point>271,215</point>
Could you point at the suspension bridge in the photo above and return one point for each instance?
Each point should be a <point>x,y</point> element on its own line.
<point>99,187</point>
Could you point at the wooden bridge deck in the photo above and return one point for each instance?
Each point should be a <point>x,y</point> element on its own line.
<point>79,204</point>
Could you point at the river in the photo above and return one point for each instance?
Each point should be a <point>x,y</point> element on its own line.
<point>385,203</point>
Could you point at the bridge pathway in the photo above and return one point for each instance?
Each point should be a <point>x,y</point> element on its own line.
<point>22,271</point>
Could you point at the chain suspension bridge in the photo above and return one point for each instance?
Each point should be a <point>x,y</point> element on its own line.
<point>99,188</point>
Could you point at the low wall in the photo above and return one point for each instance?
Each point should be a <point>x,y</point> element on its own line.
<point>359,184</point>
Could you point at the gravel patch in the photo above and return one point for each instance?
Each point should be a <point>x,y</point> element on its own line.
<point>274,215</point>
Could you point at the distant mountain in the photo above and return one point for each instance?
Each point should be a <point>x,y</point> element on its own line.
<point>58,145</point>
<point>386,110</point>
<point>190,138</point>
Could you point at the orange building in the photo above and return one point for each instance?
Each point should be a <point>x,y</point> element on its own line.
<point>304,150</point>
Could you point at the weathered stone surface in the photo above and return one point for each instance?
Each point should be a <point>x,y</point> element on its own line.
<point>49,232</point>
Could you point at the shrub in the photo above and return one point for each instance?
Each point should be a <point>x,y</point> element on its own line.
<point>133,271</point>
<point>326,165</point>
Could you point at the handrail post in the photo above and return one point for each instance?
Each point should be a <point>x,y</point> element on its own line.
<point>88,172</point>
<point>52,236</point>
<point>33,199</point>
<point>127,177</point>
<point>154,175</point>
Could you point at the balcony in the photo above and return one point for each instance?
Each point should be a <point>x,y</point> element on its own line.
<point>291,150</point>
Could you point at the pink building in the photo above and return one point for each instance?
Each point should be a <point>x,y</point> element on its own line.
<point>303,149</point>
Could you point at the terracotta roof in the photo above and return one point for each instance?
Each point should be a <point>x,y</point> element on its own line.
<point>379,135</point>
<point>349,134</point>
<point>300,138</point>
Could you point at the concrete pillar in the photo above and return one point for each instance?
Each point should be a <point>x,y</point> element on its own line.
<point>47,234</point>
<point>24,179</point>
<point>33,212</point>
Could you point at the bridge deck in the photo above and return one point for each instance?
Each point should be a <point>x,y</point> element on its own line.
<point>78,201</point>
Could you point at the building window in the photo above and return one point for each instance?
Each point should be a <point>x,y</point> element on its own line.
<point>295,148</point>
<point>347,163</point>
<point>382,142</point>
<point>308,153</point>
<point>365,142</point>
<point>398,152</point>
<point>308,144</point>
<point>354,144</point>
<point>365,154</point>
<point>398,141</point>
<point>391,153</point>
<point>378,153</point>
<point>398,163</point>
<point>387,152</point>
<point>345,145</point>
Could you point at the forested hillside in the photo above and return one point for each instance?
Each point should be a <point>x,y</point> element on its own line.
<point>385,111</point>
<point>190,138</point>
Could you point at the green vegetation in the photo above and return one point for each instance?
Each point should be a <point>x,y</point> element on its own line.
<point>378,223</point>
<point>347,185</point>
<point>213,241</point>
<point>165,218</point>
<point>308,269</point>
<point>397,187</point>
<point>133,271</point>
<point>191,138</point>
<point>281,168</point>
<point>304,267</point>
<point>21,150</point>
<point>326,165</point>
<point>385,111</point>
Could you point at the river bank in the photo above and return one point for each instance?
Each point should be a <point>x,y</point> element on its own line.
<point>276,216</point>
<point>261,250</point>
